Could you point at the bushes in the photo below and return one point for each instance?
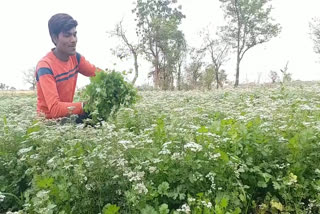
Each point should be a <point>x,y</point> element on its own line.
<point>106,93</point>
<point>174,152</point>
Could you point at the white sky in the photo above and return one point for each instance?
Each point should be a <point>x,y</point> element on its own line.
<point>24,36</point>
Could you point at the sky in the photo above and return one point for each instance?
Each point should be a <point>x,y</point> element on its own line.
<point>24,37</point>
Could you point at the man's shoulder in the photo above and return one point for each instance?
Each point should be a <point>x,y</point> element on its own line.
<point>46,61</point>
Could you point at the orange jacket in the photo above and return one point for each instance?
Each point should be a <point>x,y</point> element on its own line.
<point>56,84</point>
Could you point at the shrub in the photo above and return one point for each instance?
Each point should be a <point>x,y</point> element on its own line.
<point>106,93</point>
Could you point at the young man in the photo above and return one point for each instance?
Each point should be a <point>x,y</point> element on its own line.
<point>57,72</point>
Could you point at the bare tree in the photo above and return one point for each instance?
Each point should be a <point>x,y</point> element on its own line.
<point>274,76</point>
<point>286,76</point>
<point>218,50</point>
<point>29,77</point>
<point>315,34</point>
<point>127,48</point>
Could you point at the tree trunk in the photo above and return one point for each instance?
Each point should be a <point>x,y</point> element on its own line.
<point>217,78</point>
<point>156,75</point>
<point>135,68</point>
<point>236,84</point>
<point>179,78</point>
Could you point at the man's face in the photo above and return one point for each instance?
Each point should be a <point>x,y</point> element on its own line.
<point>66,42</point>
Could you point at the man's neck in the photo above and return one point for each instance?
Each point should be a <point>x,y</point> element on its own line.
<point>61,56</point>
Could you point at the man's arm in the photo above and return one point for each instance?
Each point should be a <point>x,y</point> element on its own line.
<point>85,67</point>
<point>48,87</point>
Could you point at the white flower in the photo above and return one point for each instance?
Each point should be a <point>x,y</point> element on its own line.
<point>156,160</point>
<point>141,188</point>
<point>152,169</point>
<point>24,150</point>
<point>305,107</point>
<point>164,152</point>
<point>207,204</point>
<point>190,200</point>
<point>184,208</point>
<point>88,187</point>
<point>193,146</point>
<point>2,197</point>
<point>215,156</point>
<point>125,143</point>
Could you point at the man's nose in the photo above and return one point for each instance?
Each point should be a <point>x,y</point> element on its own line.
<point>73,39</point>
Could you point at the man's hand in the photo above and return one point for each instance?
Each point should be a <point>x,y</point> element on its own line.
<point>70,109</point>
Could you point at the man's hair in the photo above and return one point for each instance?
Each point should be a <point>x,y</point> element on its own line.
<point>60,22</point>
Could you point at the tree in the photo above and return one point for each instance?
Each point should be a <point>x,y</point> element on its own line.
<point>222,77</point>
<point>286,76</point>
<point>127,48</point>
<point>3,86</point>
<point>249,24</point>
<point>181,59</point>
<point>315,34</point>
<point>157,27</point>
<point>274,76</point>
<point>29,77</point>
<point>218,50</point>
<point>193,69</point>
<point>208,77</point>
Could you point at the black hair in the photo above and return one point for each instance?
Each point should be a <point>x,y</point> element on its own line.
<point>60,22</point>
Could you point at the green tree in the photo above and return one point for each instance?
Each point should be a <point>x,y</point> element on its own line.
<point>315,34</point>
<point>181,58</point>
<point>193,69</point>
<point>208,77</point>
<point>157,27</point>
<point>249,24</point>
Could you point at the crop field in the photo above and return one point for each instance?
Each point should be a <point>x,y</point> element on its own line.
<point>230,151</point>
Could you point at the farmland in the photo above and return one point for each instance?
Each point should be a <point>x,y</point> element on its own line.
<point>249,150</point>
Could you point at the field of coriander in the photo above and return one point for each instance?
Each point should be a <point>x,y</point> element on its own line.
<point>230,151</point>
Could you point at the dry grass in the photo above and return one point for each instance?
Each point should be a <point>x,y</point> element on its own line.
<point>17,92</point>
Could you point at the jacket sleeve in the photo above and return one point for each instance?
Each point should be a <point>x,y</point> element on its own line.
<point>47,83</point>
<point>85,67</point>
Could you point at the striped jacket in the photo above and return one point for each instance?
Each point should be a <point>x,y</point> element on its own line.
<point>56,84</point>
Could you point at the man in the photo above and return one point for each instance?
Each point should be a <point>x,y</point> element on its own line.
<point>57,72</point>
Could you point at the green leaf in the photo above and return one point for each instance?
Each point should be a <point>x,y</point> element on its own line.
<point>262,184</point>
<point>33,128</point>
<point>44,183</point>
<point>203,129</point>
<point>237,211</point>
<point>224,202</point>
<point>110,209</point>
<point>6,129</point>
<point>163,209</point>
<point>276,185</point>
<point>148,210</point>
<point>163,188</point>
<point>242,197</point>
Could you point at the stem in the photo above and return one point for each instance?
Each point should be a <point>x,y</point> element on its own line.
<point>14,196</point>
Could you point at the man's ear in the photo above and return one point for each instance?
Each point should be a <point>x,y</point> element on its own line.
<point>54,39</point>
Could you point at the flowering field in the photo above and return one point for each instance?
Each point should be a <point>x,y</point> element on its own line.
<point>229,151</point>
